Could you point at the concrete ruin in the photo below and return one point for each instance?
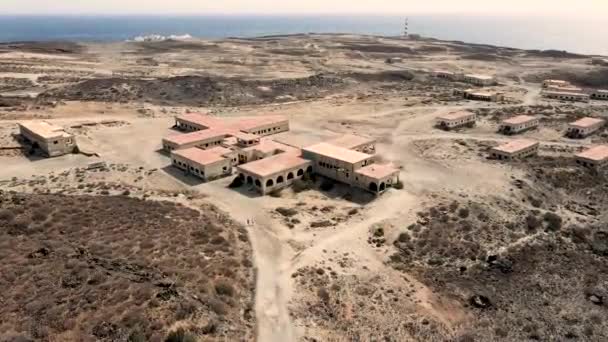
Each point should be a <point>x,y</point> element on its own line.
<point>564,95</point>
<point>456,120</point>
<point>518,124</point>
<point>515,149</point>
<point>214,149</point>
<point>53,140</point>
<point>594,157</point>
<point>477,95</point>
<point>475,79</point>
<point>584,127</point>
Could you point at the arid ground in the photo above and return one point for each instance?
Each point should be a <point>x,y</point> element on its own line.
<point>471,249</point>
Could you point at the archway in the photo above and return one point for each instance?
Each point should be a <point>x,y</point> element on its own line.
<point>309,169</point>
<point>373,187</point>
<point>290,175</point>
<point>280,179</point>
<point>382,187</point>
<point>269,183</point>
<point>241,176</point>
<point>257,183</point>
<point>249,180</point>
<point>300,172</point>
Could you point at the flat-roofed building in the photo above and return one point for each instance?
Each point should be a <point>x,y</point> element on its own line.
<point>202,139</point>
<point>518,124</point>
<point>566,96</point>
<point>456,120</point>
<point>274,173</point>
<point>515,149</point>
<point>599,94</point>
<point>472,94</point>
<point>264,149</point>
<point>205,164</point>
<point>336,162</point>
<point>479,80</point>
<point>197,122</point>
<point>555,83</point>
<point>584,127</point>
<point>448,75</point>
<point>376,178</point>
<point>566,89</point>
<point>262,125</point>
<point>51,139</point>
<point>355,142</point>
<point>594,157</point>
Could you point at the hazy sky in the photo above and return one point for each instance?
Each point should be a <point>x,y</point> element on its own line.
<point>539,7</point>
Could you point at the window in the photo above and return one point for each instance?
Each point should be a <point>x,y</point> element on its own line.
<point>55,142</point>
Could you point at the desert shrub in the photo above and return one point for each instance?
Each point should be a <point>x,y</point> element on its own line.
<point>223,288</point>
<point>236,183</point>
<point>463,213</point>
<point>353,211</point>
<point>532,222</point>
<point>537,203</point>
<point>287,212</point>
<point>323,295</point>
<point>327,185</point>
<point>300,185</point>
<point>137,336</point>
<point>398,185</point>
<point>6,215</point>
<point>321,224</point>
<point>276,193</point>
<point>404,237</point>
<point>180,335</point>
<point>554,221</point>
<point>217,306</point>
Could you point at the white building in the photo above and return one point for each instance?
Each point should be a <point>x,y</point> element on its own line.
<point>584,127</point>
<point>455,120</point>
<point>52,140</point>
<point>518,124</point>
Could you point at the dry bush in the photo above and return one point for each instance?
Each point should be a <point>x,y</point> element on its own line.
<point>112,268</point>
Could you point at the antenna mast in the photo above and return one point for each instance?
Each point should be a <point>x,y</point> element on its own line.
<point>405,28</point>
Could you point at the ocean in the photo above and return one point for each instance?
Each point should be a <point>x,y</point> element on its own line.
<point>580,35</point>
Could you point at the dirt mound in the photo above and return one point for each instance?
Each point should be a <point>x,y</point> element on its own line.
<point>595,78</point>
<point>378,48</point>
<point>43,47</point>
<point>553,54</point>
<point>118,269</point>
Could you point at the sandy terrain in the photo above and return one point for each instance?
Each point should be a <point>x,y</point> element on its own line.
<point>342,265</point>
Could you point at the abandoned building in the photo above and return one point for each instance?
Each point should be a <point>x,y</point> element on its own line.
<point>479,80</point>
<point>518,124</point>
<point>206,164</point>
<point>53,140</point>
<point>456,120</point>
<point>196,122</point>
<point>355,142</point>
<point>594,157</point>
<point>599,94</point>
<point>448,75</point>
<point>566,95</point>
<point>515,149</point>
<point>274,173</point>
<point>472,94</point>
<point>350,167</point>
<point>202,139</point>
<point>555,84</point>
<point>584,127</point>
<point>214,148</point>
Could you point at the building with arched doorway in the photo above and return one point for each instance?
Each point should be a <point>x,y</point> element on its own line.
<point>274,173</point>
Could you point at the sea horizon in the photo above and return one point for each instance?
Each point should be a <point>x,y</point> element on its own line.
<point>522,32</point>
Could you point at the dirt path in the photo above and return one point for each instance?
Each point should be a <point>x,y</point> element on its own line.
<point>272,257</point>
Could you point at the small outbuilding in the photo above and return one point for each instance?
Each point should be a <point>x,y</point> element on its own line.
<point>472,94</point>
<point>515,149</point>
<point>594,157</point>
<point>518,124</point>
<point>479,80</point>
<point>566,95</point>
<point>53,140</point>
<point>456,120</point>
<point>584,127</point>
